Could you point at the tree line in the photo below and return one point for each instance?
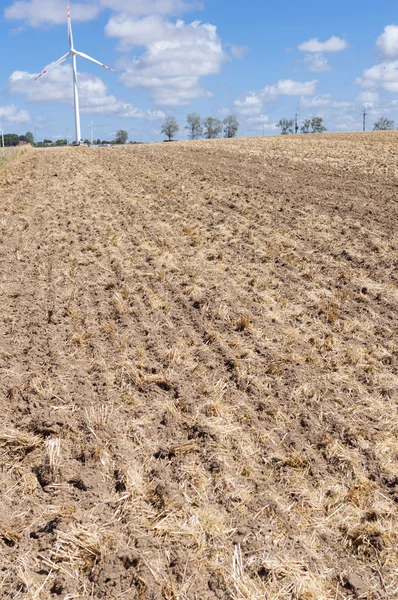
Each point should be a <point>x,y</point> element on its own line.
<point>13,139</point>
<point>315,125</point>
<point>208,128</point>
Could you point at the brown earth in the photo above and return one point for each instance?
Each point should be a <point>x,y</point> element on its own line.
<point>199,371</point>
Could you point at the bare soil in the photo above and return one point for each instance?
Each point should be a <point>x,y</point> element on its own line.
<point>199,371</point>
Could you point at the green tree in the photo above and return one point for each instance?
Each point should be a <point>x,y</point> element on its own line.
<point>121,137</point>
<point>11,139</point>
<point>48,142</point>
<point>170,128</point>
<point>194,126</point>
<point>317,125</point>
<point>212,128</point>
<point>231,126</point>
<point>60,143</point>
<point>306,126</point>
<point>23,138</point>
<point>29,137</point>
<point>383,124</point>
<point>286,126</point>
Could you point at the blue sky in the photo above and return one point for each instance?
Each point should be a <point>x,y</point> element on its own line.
<point>258,60</point>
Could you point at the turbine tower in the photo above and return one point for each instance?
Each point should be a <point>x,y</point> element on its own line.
<point>73,53</point>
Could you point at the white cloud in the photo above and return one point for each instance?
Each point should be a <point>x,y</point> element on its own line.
<point>261,123</point>
<point>11,114</point>
<point>321,100</point>
<point>57,87</point>
<point>46,12</point>
<point>367,98</point>
<point>317,63</point>
<point>223,112</point>
<point>139,8</point>
<point>343,126</point>
<point>238,52</point>
<point>139,32</point>
<point>387,43</point>
<point>383,76</point>
<point>260,119</point>
<point>315,58</point>
<point>249,104</point>
<point>289,87</point>
<point>333,44</point>
<point>324,101</point>
<point>53,12</point>
<point>176,56</point>
<point>252,103</point>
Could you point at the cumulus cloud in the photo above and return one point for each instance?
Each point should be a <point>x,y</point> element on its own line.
<point>260,119</point>
<point>324,101</point>
<point>53,12</point>
<point>315,52</point>
<point>321,100</point>
<point>252,103</point>
<point>387,43</point>
<point>49,12</point>
<point>176,56</point>
<point>57,87</point>
<point>383,76</point>
<point>238,52</point>
<point>289,87</point>
<point>260,123</point>
<point>173,56</point>
<point>317,63</point>
<point>333,44</point>
<point>139,8</point>
<point>249,104</point>
<point>367,98</point>
<point>140,32</point>
<point>11,114</point>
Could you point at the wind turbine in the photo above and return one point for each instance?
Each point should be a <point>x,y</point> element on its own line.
<point>91,126</point>
<point>73,53</point>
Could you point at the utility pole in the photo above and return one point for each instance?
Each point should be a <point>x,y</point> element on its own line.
<point>67,132</point>
<point>296,127</point>
<point>364,115</point>
<point>263,129</point>
<point>2,135</point>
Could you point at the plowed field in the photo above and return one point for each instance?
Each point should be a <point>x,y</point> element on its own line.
<point>199,371</point>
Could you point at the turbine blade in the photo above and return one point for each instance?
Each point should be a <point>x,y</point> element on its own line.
<point>87,57</point>
<point>70,35</point>
<point>53,65</point>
